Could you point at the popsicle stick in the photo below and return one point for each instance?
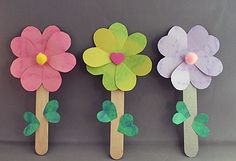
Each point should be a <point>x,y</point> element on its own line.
<point>190,137</point>
<point>116,138</point>
<point>41,135</point>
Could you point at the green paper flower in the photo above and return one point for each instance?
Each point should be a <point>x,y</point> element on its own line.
<point>116,57</point>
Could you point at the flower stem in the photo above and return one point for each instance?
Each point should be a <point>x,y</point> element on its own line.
<point>116,138</point>
<point>190,137</point>
<point>41,135</point>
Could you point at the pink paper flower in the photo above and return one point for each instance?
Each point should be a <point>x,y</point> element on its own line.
<point>40,58</point>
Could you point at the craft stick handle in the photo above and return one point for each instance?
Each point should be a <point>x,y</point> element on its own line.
<point>41,135</point>
<point>190,137</point>
<point>116,138</point>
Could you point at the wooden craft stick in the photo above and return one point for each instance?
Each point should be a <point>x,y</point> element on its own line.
<point>41,135</point>
<point>190,137</point>
<point>116,138</point>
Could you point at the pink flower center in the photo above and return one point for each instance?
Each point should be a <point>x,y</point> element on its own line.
<point>191,58</point>
<point>117,58</point>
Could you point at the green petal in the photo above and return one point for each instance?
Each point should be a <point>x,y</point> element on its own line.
<point>108,79</point>
<point>105,40</point>
<point>182,108</point>
<point>96,57</point>
<point>134,44</point>
<point>140,64</point>
<point>202,118</point>
<point>29,117</point>
<point>108,72</point>
<point>125,78</point>
<point>120,32</point>
<point>51,106</point>
<point>201,130</point>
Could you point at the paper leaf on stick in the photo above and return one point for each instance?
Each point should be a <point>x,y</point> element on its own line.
<point>33,123</point>
<point>119,59</point>
<point>189,57</point>
<point>50,111</point>
<point>127,126</point>
<point>182,113</point>
<point>108,112</point>
<point>199,126</point>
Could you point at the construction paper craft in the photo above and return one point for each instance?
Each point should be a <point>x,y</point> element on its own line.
<point>50,111</point>
<point>116,57</point>
<point>190,63</point>
<point>199,125</point>
<point>33,123</point>
<point>40,58</point>
<point>108,112</point>
<point>127,126</point>
<point>182,113</point>
<point>189,57</point>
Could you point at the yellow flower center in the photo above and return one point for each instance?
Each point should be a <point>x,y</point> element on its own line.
<point>41,58</point>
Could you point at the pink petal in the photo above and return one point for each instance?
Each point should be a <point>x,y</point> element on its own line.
<point>62,62</point>
<point>199,79</point>
<point>167,65</point>
<point>22,47</point>
<point>51,79</point>
<point>31,79</point>
<point>34,35</point>
<point>48,32</point>
<point>174,44</point>
<point>19,65</point>
<point>211,66</point>
<point>58,43</point>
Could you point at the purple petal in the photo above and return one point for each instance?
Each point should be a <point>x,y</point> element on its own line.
<point>197,38</point>
<point>198,79</point>
<point>211,66</point>
<point>180,78</point>
<point>174,44</point>
<point>211,48</point>
<point>167,65</point>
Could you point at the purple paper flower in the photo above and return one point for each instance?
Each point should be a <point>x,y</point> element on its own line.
<point>189,57</point>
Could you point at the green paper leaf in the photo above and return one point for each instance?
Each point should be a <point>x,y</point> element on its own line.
<point>182,113</point>
<point>199,126</point>
<point>33,123</point>
<point>126,125</point>
<point>108,112</point>
<point>50,111</point>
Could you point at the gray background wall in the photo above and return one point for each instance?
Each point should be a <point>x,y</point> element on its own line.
<point>152,102</point>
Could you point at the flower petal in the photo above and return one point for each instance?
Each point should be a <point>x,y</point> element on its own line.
<point>211,48</point>
<point>125,78</point>
<point>134,44</point>
<point>51,79</point>
<point>19,65</point>
<point>105,40</point>
<point>58,43</point>
<point>120,32</point>
<point>180,78</point>
<point>108,79</point>
<point>47,33</point>
<point>174,44</point>
<point>22,47</point>
<point>167,65</point>
<point>108,71</point>
<point>211,66</point>
<point>64,62</point>
<point>34,35</point>
<point>199,79</point>
<point>197,38</point>
<point>96,57</point>
<point>140,64</point>
<point>31,79</point>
